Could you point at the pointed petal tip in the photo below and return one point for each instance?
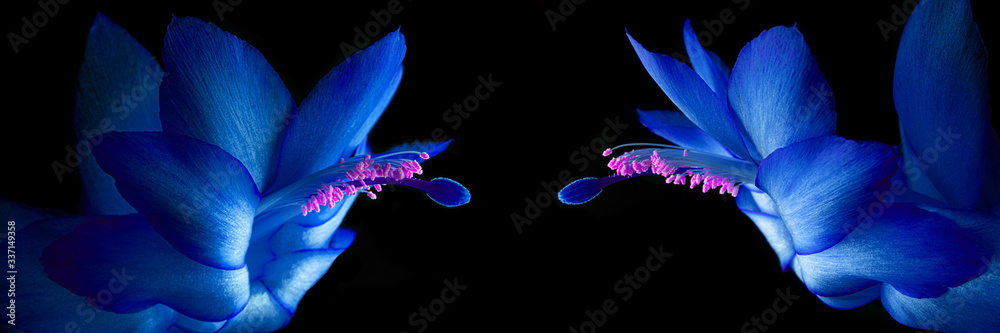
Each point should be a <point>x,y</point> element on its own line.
<point>580,191</point>
<point>448,193</point>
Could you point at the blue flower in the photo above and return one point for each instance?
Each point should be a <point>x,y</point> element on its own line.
<point>915,226</point>
<point>729,122</point>
<point>212,202</point>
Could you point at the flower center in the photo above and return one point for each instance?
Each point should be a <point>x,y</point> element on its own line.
<point>678,165</point>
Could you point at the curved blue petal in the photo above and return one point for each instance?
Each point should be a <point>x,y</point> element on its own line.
<point>262,314</point>
<point>853,301</point>
<point>341,110</point>
<point>693,97</point>
<point>823,185</point>
<point>127,267</point>
<point>289,276</point>
<point>44,306</point>
<point>185,324</point>
<point>196,195</point>
<point>971,307</point>
<point>706,66</point>
<point>432,148</point>
<point>914,250</point>
<point>222,91</point>
<point>678,129</point>
<point>117,89</point>
<point>941,92</point>
<point>779,93</point>
<point>756,205</point>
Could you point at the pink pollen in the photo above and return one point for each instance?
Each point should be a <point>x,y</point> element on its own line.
<point>606,152</point>
<point>378,187</point>
<point>372,195</point>
<point>685,153</point>
<point>425,156</point>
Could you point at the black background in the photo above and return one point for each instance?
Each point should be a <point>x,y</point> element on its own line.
<point>558,87</point>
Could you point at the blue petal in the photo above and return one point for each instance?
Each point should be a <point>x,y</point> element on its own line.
<point>693,97</point>
<point>779,93</point>
<point>118,89</point>
<point>289,276</point>
<point>262,314</point>
<point>23,214</point>
<point>185,324</point>
<point>754,204</point>
<point>295,237</point>
<point>432,148</point>
<point>222,91</point>
<point>703,64</point>
<point>127,267</point>
<point>917,251</point>
<point>342,108</point>
<point>196,195</point>
<point>581,191</point>
<point>971,307</point>
<point>821,184</point>
<point>855,300</point>
<point>941,91</point>
<point>720,64</point>
<point>50,307</point>
<point>678,129</point>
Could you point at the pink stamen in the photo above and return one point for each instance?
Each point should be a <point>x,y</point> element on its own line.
<point>357,180</point>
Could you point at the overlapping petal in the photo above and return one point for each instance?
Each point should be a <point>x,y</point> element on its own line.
<point>941,92</point>
<point>127,267</point>
<point>117,89</point>
<point>823,186</point>
<point>51,307</point>
<point>694,98</point>
<point>704,64</point>
<point>759,207</point>
<point>678,129</point>
<point>779,93</point>
<point>900,245</point>
<point>200,198</point>
<point>970,307</point>
<point>340,111</point>
<point>222,91</point>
